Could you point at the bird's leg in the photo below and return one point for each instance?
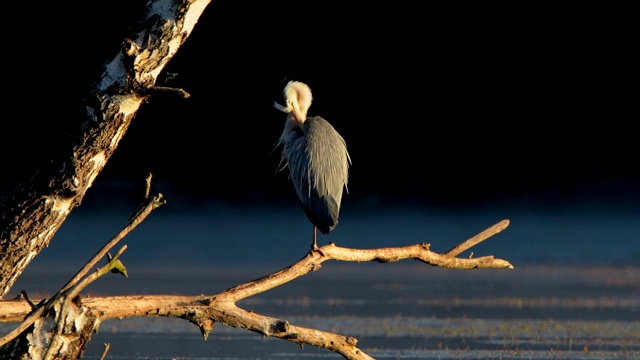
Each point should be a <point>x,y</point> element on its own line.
<point>315,244</point>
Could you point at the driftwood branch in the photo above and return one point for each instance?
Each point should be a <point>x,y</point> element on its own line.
<point>204,311</point>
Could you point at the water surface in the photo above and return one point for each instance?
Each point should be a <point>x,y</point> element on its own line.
<point>574,292</point>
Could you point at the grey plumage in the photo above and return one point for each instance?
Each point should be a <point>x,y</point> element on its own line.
<point>317,158</point>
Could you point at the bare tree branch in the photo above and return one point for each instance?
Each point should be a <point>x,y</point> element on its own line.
<point>204,311</point>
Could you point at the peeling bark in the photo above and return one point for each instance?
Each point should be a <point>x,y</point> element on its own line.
<point>61,327</point>
<point>62,332</point>
<point>34,211</point>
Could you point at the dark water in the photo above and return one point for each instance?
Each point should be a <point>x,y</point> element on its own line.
<point>587,233</point>
<point>574,292</point>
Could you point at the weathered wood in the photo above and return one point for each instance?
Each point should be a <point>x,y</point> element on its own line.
<point>62,332</point>
<point>204,311</point>
<point>34,211</point>
<point>61,325</point>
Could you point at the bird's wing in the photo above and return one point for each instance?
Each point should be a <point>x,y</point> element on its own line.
<point>319,162</point>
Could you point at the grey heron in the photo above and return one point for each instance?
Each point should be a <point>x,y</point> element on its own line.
<point>317,158</point>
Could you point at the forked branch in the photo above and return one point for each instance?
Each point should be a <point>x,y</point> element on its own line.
<point>80,280</point>
<point>204,311</point>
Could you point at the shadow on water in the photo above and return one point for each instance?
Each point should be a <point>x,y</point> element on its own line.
<point>574,292</point>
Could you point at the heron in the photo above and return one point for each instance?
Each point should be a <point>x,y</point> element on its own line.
<point>317,158</point>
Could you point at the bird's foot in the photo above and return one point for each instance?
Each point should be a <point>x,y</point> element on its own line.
<point>316,248</point>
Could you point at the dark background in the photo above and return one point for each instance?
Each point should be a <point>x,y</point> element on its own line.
<point>442,104</point>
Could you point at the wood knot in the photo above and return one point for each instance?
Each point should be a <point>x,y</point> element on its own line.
<point>351,340</point>
<point>280,327</point>
<point>206,301</point>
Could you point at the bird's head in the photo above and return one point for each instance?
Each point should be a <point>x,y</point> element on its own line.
<point>298,98</point>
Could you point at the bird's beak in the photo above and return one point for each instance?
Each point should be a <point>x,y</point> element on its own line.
<point>297,115</point>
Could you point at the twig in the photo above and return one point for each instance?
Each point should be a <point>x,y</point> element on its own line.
<point>147,200</point>
<point>460,248</point>
<point>73,292</point>
<point>106,350</point>
<point>166,90</point>
<point>26,297</point>
<point>150,205</point>
<point>147,185</point>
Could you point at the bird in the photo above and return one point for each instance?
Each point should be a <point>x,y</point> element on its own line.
<point>317,158</point>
